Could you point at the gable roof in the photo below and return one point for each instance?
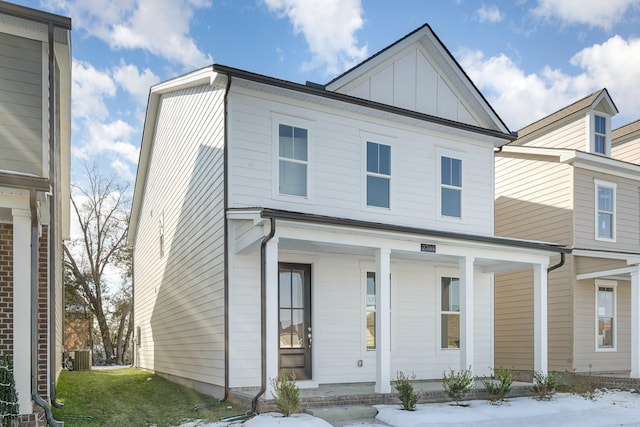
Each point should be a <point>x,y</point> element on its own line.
<point>625,130</point>
<point>581,104</point>
<point>444,61</point>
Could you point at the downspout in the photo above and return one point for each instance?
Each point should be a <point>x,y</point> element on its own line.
<point>34,314</point>
<point>225,204</point>
<point>558,265</point>
<point>53,218</point>
<point>263,314</point>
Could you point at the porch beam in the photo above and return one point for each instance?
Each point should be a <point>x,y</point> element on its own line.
<point>606,273</point>
<point>540,333</point>
<point>635,322</point>
<point>383,321</point>
<point>272,327</point>
<point>466,313</point>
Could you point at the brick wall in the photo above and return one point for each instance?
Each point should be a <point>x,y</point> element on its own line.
<point>6,288</point>
<point>43,314</point>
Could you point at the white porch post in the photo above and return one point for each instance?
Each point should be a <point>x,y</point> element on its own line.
<point>466,313</point>
<point>383,321</point>
<point>635,323</point>
<point>540,345</point>
<point>272,314</point>
<point>22,307</point>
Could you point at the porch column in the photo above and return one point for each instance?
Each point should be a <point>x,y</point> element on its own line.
<point>540,344</point>
<point>635,322</point>
<point>271,334</point>
<point>22,307</point>
<point>383,321</point>
<point>466,313</point>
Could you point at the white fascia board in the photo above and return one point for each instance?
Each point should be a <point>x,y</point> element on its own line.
<point>630,259</point>
<point>607,273</point>
<point>605,165</point>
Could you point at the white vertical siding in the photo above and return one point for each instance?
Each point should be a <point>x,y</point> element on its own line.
<point>179,294</point>
<point>337,166</point>
<point>21,93</point>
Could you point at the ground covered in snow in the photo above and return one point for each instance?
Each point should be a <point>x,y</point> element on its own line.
<point>611,408</point>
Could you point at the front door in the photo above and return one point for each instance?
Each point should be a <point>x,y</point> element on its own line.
<point>294,319</point>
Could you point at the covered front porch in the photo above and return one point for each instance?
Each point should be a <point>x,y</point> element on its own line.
<point>410,319</point>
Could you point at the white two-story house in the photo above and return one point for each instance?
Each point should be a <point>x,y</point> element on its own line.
<point>343,232</point>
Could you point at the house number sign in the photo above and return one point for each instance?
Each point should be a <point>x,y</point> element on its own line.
<point>425,247</point>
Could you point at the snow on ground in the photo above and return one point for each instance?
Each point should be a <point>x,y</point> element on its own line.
<point>612,408</point>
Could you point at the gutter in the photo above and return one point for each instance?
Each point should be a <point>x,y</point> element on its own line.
<point>263,314</point>
<point>558,265</point>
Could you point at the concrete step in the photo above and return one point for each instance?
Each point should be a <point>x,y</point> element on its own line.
<point>343,415</point>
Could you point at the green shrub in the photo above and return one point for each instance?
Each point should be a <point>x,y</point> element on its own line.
<point>544,386</point>
<point>8,393</point>
<point>404,387</point>
<point>583,385</point>
<point>286,394</point>
<point>498,390</point>
<point>457,384</point>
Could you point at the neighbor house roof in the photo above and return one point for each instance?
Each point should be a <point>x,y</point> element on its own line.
<point>625,130</point>
<point>579,105</point>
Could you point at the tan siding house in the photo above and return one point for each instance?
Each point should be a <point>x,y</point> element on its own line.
<point>35,126</point>
<point>342,232</point>
<point>570,179</point>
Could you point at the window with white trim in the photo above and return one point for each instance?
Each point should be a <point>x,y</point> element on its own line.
<point>378,175</point>
<point>599,134</point>
<point>449,312</point>
<point>605,210</point>
<point>450,187</point>
<point>293,160</point>
<point>370,311</point>
<point>606,315</point>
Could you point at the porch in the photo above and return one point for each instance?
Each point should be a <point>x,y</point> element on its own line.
<point>359,394</point>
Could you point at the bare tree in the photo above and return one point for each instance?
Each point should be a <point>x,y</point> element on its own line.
<point>101,211</point>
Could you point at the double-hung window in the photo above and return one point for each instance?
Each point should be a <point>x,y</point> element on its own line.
<point>378,175</point>
<point>605,315</point>
<point>451,187</point>
<point>600,135</point>
<point>293,161</point>
<point>605,210</point>
<point>449,312</point>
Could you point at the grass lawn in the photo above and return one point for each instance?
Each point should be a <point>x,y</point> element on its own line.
<point>131,397</point>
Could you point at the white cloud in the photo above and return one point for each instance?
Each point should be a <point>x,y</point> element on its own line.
<point>489,14</point>
<point>521,98</point>
<point>135,82</point>
<point>89,88</point>
<point>329,28</point>
<point>595,13</point>
<point>159,26</point>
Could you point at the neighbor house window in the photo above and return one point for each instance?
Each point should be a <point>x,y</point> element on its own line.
<point>451,187</point>
<point>292,160</point>
<point>605,315</point>
<point>370,310</point>
<point>450,312</point>
<point>378,175</point>
<point>605,210</point>
<point>600,135</point>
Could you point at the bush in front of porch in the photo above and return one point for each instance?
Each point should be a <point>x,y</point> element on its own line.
<point>457,384</point>
<point>406,394</point>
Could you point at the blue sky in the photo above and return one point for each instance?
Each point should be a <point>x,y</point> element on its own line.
<point>528,57</point>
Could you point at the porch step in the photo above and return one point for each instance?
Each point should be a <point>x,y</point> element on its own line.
<point>337,415</point>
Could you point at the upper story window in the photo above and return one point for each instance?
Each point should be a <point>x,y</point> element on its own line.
<point>451,187</point>
<point>293,160</point>
<point>450,312</point>
<point>605,213</point>
<point>378,175</point>
<point>600,135</point>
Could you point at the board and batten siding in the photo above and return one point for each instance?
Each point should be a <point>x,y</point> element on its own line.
<point>179,249</point>
<point>336,168</point>
<point>21,98</point>
<point>626,211</point>
<point>338,324</point>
